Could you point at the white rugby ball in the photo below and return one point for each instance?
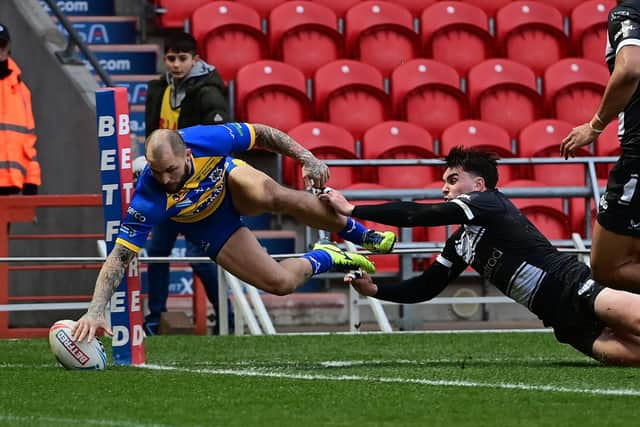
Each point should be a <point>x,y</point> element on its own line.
<point>72,354</point>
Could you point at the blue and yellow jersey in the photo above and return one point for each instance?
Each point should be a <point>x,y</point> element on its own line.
<point>203,192</point>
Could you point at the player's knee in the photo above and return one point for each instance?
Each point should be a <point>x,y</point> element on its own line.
<point>278,282</point>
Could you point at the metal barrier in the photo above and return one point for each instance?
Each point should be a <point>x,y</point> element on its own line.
<point>15,209</point>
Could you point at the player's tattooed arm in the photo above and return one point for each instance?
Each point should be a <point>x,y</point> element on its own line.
<point>315,172</point>
<point>109,278</point>
<point>275,140</point>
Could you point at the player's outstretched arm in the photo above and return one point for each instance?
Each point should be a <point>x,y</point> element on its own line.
<point>399,214</point>
<point>314,172</point>
<point>109,278</point>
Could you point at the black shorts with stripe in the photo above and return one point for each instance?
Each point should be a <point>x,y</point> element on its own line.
<point>575,321</point>
<point>619,209</point>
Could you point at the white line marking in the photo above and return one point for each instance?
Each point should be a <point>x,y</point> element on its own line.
<point>423,381</point>
<point>80,421</point>
<point>427,332</point>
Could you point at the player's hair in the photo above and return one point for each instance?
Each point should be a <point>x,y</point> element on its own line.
<point>180,42</point>
<point>477,162</point>
<point>172,137</point>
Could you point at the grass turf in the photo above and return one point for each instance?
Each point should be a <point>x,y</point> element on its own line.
<point>491,379</point>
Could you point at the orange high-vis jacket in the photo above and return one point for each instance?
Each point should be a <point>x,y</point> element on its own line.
<point>18,162</point>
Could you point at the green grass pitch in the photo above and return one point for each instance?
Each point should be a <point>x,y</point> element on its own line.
<point>450,379</point>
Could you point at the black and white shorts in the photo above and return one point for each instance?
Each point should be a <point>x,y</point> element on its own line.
<point>619,208</point>
<point>576,322</point>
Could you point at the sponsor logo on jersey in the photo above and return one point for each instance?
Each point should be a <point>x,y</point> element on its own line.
<point>626,27</point>
<point>137,215</point>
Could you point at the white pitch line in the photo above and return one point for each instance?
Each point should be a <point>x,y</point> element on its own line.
<point>422,381</point>
<point>29,420</point>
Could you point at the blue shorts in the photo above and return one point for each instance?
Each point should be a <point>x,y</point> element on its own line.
<point>211,233</point>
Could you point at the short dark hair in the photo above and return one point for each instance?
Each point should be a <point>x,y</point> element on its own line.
<point>477,162</point>
<point>180,42</point>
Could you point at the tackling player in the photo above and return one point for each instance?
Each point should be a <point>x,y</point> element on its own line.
<point>501,244</point>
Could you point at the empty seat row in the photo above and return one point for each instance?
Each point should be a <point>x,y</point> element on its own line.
<point>306,34</point>
<point>173,13</point>
<point>403,140</point>
<point>352,94</point>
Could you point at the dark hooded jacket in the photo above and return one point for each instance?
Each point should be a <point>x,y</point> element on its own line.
<point>202,97</point>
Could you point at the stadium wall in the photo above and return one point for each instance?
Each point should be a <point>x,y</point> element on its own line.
<point>64,110</point>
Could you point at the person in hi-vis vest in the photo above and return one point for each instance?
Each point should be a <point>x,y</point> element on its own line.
<point>19,167</point>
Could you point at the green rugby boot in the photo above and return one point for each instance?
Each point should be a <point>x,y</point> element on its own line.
<point>379,241</point>
<point>345,261</point>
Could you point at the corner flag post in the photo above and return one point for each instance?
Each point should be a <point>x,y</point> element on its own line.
<point>114,140</point>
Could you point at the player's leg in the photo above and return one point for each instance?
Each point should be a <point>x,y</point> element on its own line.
<point>163,238</point>
<point>620,310</point>
<point>244,257</point>
<point>615,259</point>
<point>253,192</point>
<point>617,348</point>
<point>615,251</point>
<point>619,343</point>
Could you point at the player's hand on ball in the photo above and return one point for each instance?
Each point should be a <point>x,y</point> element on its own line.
<point>89,326</point>
<point>361,282</point>
<point>337,201</point>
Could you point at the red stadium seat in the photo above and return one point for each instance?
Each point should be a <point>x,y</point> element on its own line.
<point>384,263</point>
<point>542,134</point>
<point>542,139</point>
<point>457,34</point>
<point>381,33</point>
<point>229,36</point>
<point>350,94</point>
<point>589,28</point>
<point>400,140</point>
<point>340,7</point>
<point>481,135</point>
<point>548,215</point>
<point>273,93</point>
<point>504,92</point>
<point>564,6</point>
<point>531,33</point>
<point>415,6</point>
<point>578,211</point>
<point>176,12</point>
<point>573,88</point>
<point>607,145</point>
<point>427,93</point>
<point>489,6</point>
<point>326,141</point>
<point>263,7</point>
<point>305,35</point>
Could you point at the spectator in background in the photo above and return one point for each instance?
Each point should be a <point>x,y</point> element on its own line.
<point>19,169</point>
<point>191,92</point>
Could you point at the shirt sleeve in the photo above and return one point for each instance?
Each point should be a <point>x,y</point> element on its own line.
<point>624,27</point>
<point>143,212</point>
<point>219,140</point>
<point>410,214</point>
